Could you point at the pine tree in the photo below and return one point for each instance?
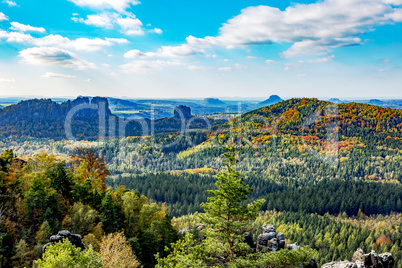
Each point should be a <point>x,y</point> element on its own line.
<point>226,216</point>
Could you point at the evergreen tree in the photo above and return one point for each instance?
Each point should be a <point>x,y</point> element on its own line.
<point>226,216</point>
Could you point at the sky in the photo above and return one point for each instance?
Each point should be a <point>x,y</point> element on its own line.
<point>198,49</point>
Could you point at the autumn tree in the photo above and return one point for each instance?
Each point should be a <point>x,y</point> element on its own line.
<point>116,252</point>
<point>89,165</point>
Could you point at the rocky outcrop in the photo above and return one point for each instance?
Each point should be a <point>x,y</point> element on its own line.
<point>361,260</point>
<point>269,240</point>
<point>182,112</point>
<point>75,239</point>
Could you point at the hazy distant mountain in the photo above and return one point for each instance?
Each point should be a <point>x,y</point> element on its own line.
<point>213,102</point>
<point>376,102</point>
<point>273,99</point>
<point>120,104</point>
<point>1,107</point>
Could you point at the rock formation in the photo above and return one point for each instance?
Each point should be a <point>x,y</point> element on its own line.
<point>182,112</point>
<point>75,239</point>
<point>268,240</point>
<point>361,260</point>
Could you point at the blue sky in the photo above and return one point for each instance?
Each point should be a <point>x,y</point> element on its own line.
<point>196,49</point>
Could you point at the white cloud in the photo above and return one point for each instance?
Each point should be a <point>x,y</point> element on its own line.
<point>16,26</point>
<point>103,20</point>
<point>270,61</point>
<point>166,52</point>
<point>57,76</point>
<point>312,29</point>
<point>80,44</point>
<point>129,24</point>
<point>119,5</point>
<point>143,67</point>
<point>393,2</point>
<point>320,60</point>
<point>225,69</point>
<point>251,57</point>
<point>157,30</point>
<point>3,16</point>
<point>10,3</point>
<point>54,56</point>
<point>301,75</point>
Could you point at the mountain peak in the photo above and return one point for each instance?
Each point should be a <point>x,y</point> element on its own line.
<point>273,99</point>
<point>213,102</point>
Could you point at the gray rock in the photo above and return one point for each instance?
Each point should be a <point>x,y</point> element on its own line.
<point>281,236</point>
<point>293,247</point>
<point>340,264</point>
<point>75,239</point>
<point>64,233</point>
<point>269,236</point>
<point>273,245</point>
<point>358,255</point>
<point>268,228</point>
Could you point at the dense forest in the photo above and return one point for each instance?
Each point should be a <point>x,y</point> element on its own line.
<point>41,197</point>
<point>330,176</point>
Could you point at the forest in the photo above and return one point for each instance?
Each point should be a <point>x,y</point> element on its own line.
<point>330,193</point>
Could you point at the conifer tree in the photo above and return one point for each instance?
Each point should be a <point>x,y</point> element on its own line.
<point>226,217</point>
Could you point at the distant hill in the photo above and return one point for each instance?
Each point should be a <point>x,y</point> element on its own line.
<point>273,99</point>
<point>44,118</point>
<point>213,102</point>
<point>376,102</point>
<point>120,104</point>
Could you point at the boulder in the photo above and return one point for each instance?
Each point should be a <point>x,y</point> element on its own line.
<point>361,260</point>
<point>293,247</point>
<point>281,236</point>
<point>373,260</point>
<point>358,255</point>
<point>273,245</point>
<point>268,229</point>
<point>269,236</point>
<point>340,264</point>
<point>74,239</point>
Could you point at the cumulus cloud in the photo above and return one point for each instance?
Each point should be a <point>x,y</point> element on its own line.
<point>80,44</point>
<point>270,61</point>
<point>166,52</point>
<point>312,29</point>
<point>16,26</point>
<point>130,26</point>
<point>129,23</point>
<point>118,5</point>
<point>157,30</point>
<point>143,67</point>
<point>104,20</point>
<point>10,3</point>
<point>57,76</point>
<point>3,16</point>
<point>54,56</point>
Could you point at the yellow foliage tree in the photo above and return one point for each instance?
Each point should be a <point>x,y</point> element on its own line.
<point>116,252</point>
